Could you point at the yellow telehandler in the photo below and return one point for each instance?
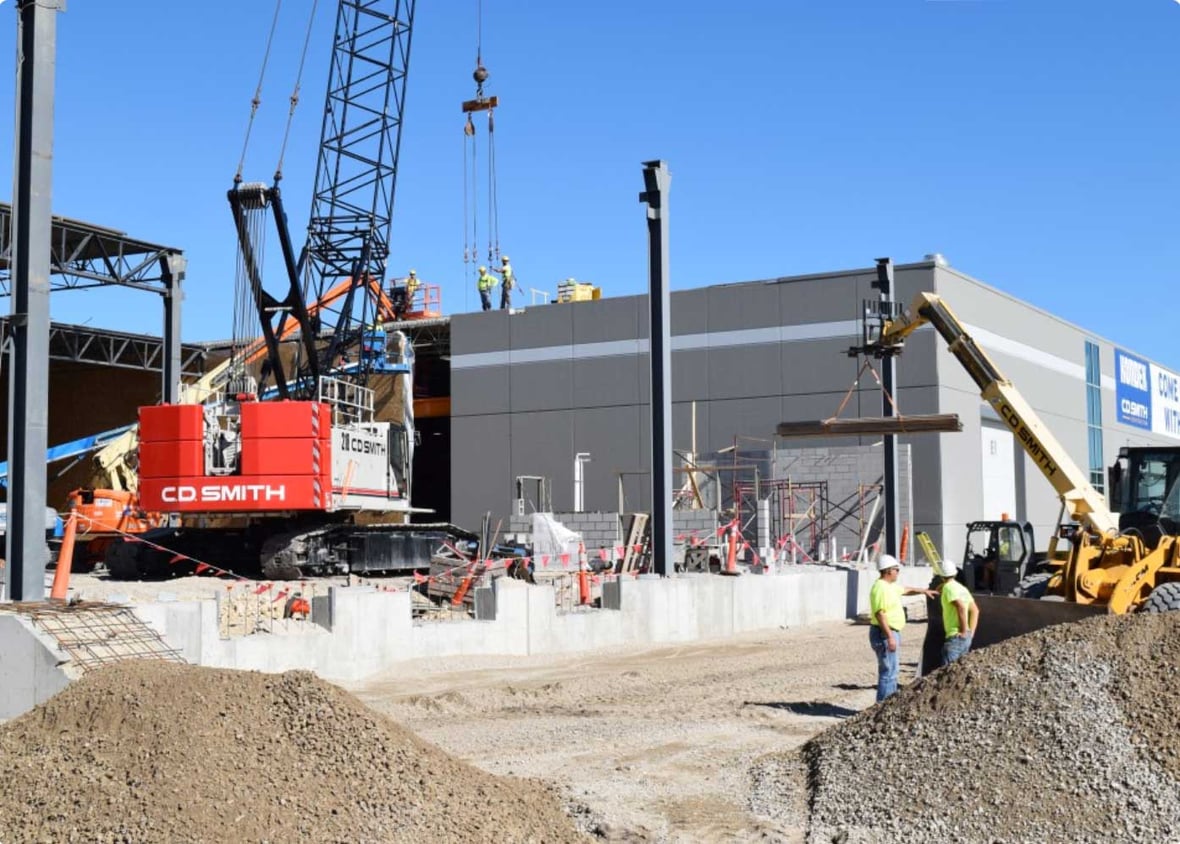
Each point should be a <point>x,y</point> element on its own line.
<point>1116,563</point>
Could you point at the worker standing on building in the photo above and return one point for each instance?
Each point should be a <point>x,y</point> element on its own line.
<point>960,613</point>
<point>888,620</point>
<point>508,281</point>
<point>485,284</point>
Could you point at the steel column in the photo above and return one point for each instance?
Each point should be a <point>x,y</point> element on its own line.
<point>28,406</point>
<point>174,265</point>
<point>884,284</point>
<point>656,180</point>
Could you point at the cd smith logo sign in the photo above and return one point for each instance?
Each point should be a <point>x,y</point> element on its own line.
<point>1132,394</point>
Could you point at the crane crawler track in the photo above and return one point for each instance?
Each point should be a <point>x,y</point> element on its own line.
<point>283,551</point>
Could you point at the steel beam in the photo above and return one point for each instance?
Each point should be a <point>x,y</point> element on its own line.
<point>28,407</point>
<point>173,266</point>
<point>923,423</point>
<point>656,180</point>
<point>884,284</point>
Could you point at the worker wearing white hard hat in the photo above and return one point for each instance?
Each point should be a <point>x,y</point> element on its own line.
<point>887,620</point>
<point>960,612</point>
<point>507,283</point>
<point>484,284</point>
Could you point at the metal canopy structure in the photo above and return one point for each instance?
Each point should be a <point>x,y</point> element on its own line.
<point>84,255</point>
<point>81,344</point>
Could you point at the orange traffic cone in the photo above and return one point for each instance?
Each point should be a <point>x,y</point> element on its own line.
<point>583,587</point>
<point>65,558</point>
<point>461,592</point>
<point>731,556</point>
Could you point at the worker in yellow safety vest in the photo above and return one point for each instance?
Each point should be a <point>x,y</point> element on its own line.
<point>412,285</point>
<point>509,281</point>
<point>960,613</point>
<point>886,619</point>
<point>485,284</point>
<point>402,295</point>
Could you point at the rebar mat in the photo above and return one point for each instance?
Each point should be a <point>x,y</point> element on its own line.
<point>98,635</point>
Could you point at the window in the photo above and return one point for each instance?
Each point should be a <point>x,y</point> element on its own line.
<point>1094,416</point>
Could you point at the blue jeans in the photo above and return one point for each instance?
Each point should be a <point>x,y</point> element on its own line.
<point>485,299</point>
<point>886,661</point>
<point>954,648</point>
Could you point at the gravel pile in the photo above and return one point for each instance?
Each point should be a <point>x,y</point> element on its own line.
<point>1071,733</point>
<point>152,751</point>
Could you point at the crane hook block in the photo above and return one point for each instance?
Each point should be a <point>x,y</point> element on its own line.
<point>480,75</point>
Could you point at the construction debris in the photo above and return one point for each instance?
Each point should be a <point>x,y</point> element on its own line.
<point>155,751</point>
<point>1066,734</point>
<point>918,423</point>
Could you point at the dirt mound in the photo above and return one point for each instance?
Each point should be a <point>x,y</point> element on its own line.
<point>151,751</point>
<point>1071,733</point>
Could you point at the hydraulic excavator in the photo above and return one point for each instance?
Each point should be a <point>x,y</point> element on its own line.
<point>1124,555</point>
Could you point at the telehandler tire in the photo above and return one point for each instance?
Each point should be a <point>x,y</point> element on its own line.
<point>1163,598</point>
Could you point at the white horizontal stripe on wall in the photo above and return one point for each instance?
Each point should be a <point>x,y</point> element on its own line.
<point>754,337</point>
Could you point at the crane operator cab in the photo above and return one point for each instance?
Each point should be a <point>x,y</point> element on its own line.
<point>1145,492</point>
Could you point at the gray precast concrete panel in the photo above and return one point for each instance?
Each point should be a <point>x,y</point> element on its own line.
<point>542,443</point>
<point>749,368</point>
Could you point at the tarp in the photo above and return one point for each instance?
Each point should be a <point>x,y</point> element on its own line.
<point>555,539</point>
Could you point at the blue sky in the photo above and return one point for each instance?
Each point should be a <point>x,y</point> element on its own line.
<point>1032,142</point>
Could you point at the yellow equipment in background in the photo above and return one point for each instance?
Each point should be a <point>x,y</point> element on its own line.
<point>577,291</point>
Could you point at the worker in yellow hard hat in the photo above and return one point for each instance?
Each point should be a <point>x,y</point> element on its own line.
<point>485,283</point>
<point>508,281</point>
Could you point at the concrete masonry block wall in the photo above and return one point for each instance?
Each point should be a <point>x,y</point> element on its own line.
<point>602,529</point>
<point>849,471</point>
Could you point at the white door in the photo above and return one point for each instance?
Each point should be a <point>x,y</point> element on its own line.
<point>999,473</point>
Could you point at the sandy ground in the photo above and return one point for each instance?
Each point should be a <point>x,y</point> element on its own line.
<point>658,744</point>
<point>655,744</point>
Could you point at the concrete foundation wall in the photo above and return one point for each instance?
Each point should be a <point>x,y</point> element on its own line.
<point>32,668</point>
<point>373,630</point>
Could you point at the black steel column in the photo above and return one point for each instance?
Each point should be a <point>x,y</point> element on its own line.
<point>884,283</point>
<point>656,180</point>
<point>28,405</point>
<point>174,265</point>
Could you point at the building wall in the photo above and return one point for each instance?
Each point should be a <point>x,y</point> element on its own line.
<point>531,389</point>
